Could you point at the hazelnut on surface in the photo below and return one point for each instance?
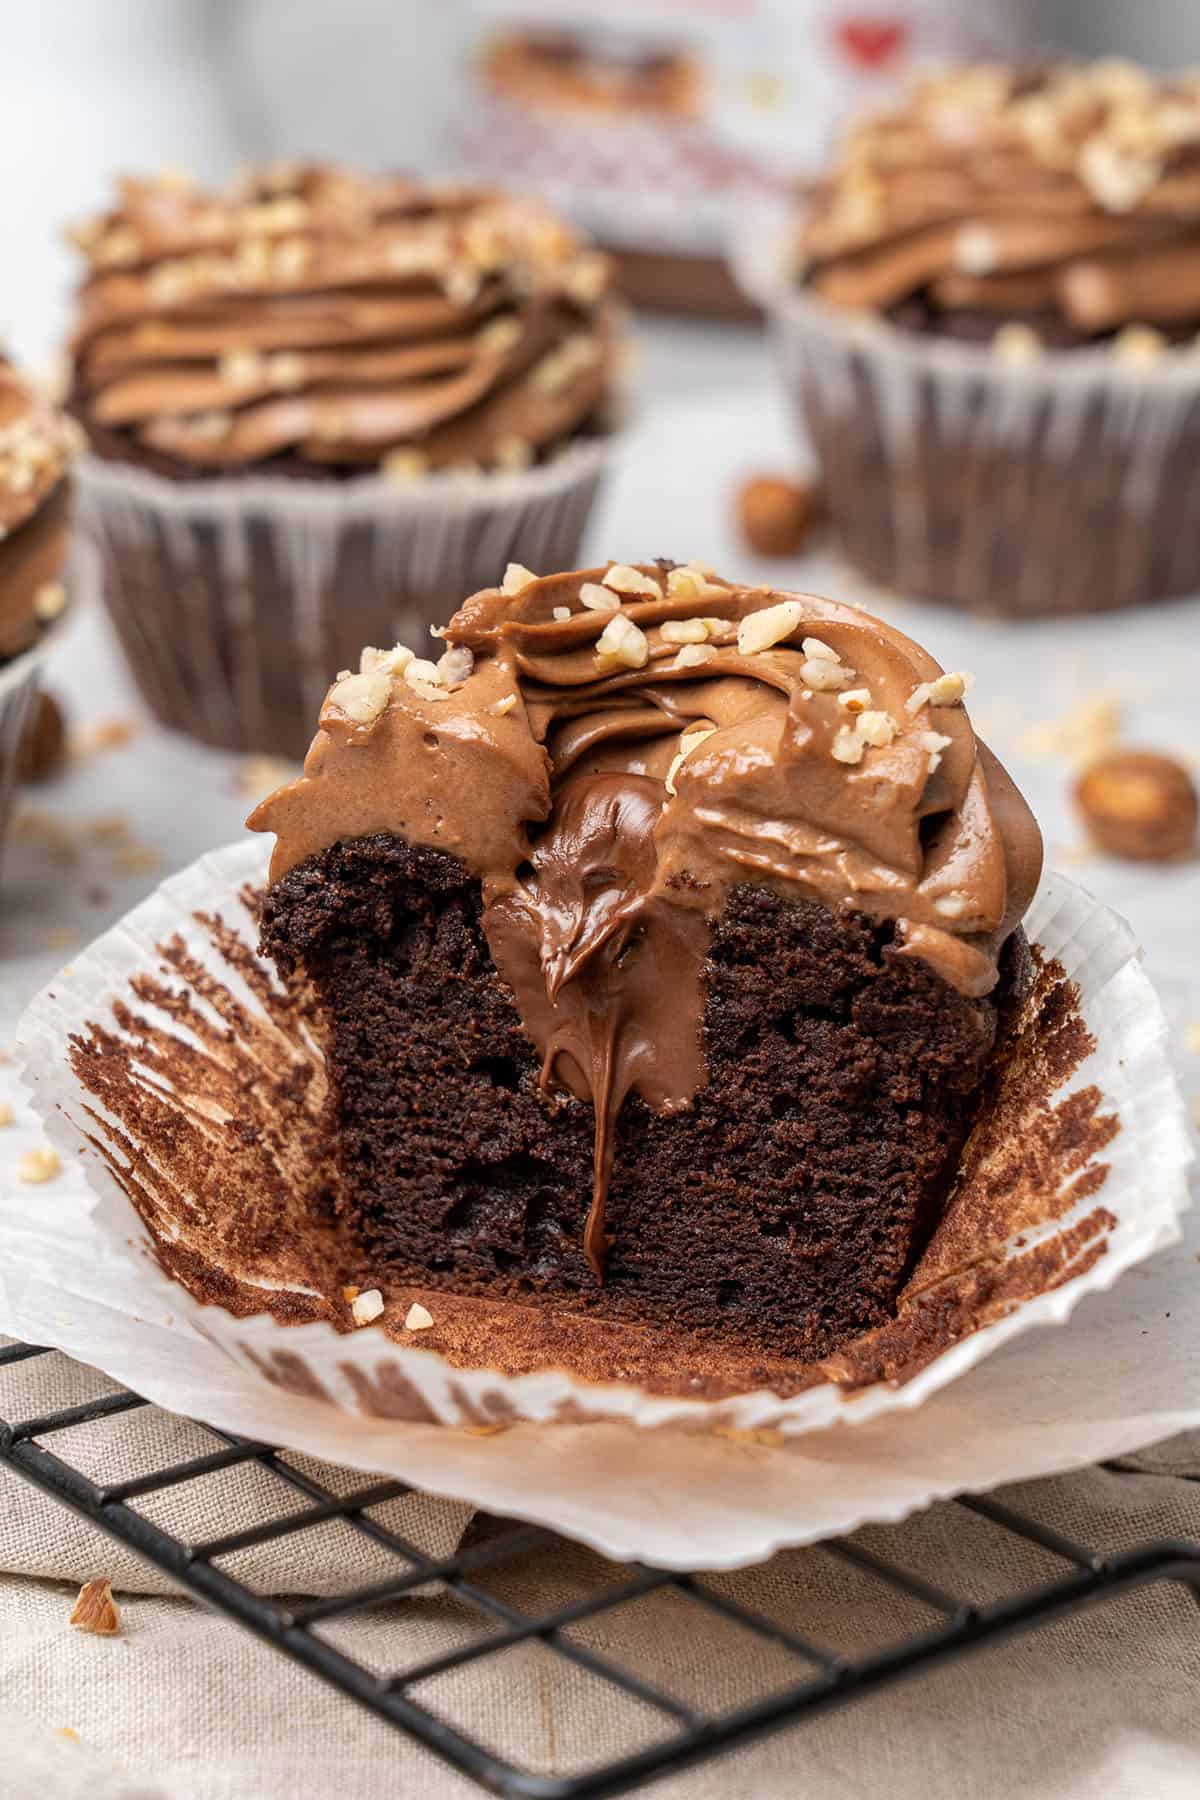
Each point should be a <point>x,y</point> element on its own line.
<point>43,747</point>
<point>775,514</point>
<point>1138,804</point>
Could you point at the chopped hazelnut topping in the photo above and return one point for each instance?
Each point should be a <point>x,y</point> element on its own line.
<point>504,705</point>
<point>975,250</point>
<point>95,1610</point>
<point>417,1318</point>
<point>395,660</point>
<point>49,601</point>
<point>366,1308</point>
<point>285,370</point>
<point>823,676</point>
<point>516,577</point>
<point>37,1166</point>
<point>691,656</point>
<point>425,679</point>
<point>586,277</point>
<point>683,631</point>
<point>944,690</point>
<point>455,664</point>
<point>499,336</point>
<point>561,613</point>
<point>687,743</point>
<point>1116,178</point>
<point>769,626</point>
<point>934,743</point>
<point>855,700</point>
<point>624,642</point>
<point>818,648</point>
<point>362,698</point>
<point>875,728</point>
<point>405,465</point>
<point>627,580</point>
<point>597,598</point>
<point>847,746</point>
<point>686,582</point>
<point>241,368</point>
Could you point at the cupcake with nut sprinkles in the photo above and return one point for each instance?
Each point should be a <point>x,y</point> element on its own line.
<point>37,445</point>
<point>321,406</point>
<point>990,327</point>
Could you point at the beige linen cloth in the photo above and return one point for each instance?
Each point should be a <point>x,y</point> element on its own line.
<point>184,1705</point>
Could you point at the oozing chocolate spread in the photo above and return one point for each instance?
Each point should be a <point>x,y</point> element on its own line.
<point>612,751</point>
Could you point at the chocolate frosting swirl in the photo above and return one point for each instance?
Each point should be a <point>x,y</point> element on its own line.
<point>340,319</point>
<point>36,446</point>
<point>1069,191</point>
<point>611,751</point>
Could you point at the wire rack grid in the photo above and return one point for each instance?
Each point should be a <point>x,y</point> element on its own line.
<point>821,1679</point>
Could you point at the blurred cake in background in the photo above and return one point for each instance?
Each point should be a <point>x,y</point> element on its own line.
<point>37,445</point>
<point>656,126</point>
<point>320,404</point>
<point>992,337</point>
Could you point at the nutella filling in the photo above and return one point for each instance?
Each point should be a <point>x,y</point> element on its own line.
<point>611,752</point>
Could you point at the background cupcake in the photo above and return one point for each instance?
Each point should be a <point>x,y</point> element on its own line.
<point>36,445</point>
<point>992,337</point>
<point>321,405</point>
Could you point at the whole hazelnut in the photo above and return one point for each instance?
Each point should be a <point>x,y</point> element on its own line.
<point>1138,804</point>
<point>43,747</point>
<point>775,515</point>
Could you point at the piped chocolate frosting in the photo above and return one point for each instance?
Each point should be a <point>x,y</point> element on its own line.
<point>340,319</point>
<point>611,752</point>
<point>1069,194</point>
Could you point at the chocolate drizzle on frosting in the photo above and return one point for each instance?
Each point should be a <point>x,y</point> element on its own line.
<point>340,319</point>
<point>612,751</point>
<point>1071,193</point>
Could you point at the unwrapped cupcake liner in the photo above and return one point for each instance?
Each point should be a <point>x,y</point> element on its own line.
<point>1057,482</point>
<point>236,599</point>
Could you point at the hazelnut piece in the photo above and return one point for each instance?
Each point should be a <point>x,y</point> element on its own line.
<point>775,515</point>
<point>1138,804</point>
<point>43,747</point>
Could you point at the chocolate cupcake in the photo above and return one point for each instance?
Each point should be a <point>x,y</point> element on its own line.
<point>320,407</point>
<point>662,937</point>
<point>37,444</point>
<point>992,338</point>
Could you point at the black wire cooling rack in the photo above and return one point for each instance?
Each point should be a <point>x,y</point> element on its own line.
<point>818,1679</point>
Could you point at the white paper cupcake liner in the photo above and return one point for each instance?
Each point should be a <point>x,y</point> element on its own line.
<point>1065,483</point>
<point>236,600</point>
<point>736,1476</point>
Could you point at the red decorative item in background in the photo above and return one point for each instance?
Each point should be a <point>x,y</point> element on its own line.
<point>871,41</point>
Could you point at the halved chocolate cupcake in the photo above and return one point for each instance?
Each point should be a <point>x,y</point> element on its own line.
<point>663,933</point>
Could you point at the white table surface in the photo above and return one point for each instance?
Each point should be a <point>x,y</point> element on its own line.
<point>714,416</point>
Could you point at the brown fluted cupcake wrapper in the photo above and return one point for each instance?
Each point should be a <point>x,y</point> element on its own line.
<point>237,600</point>
<point>1067,483</point>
